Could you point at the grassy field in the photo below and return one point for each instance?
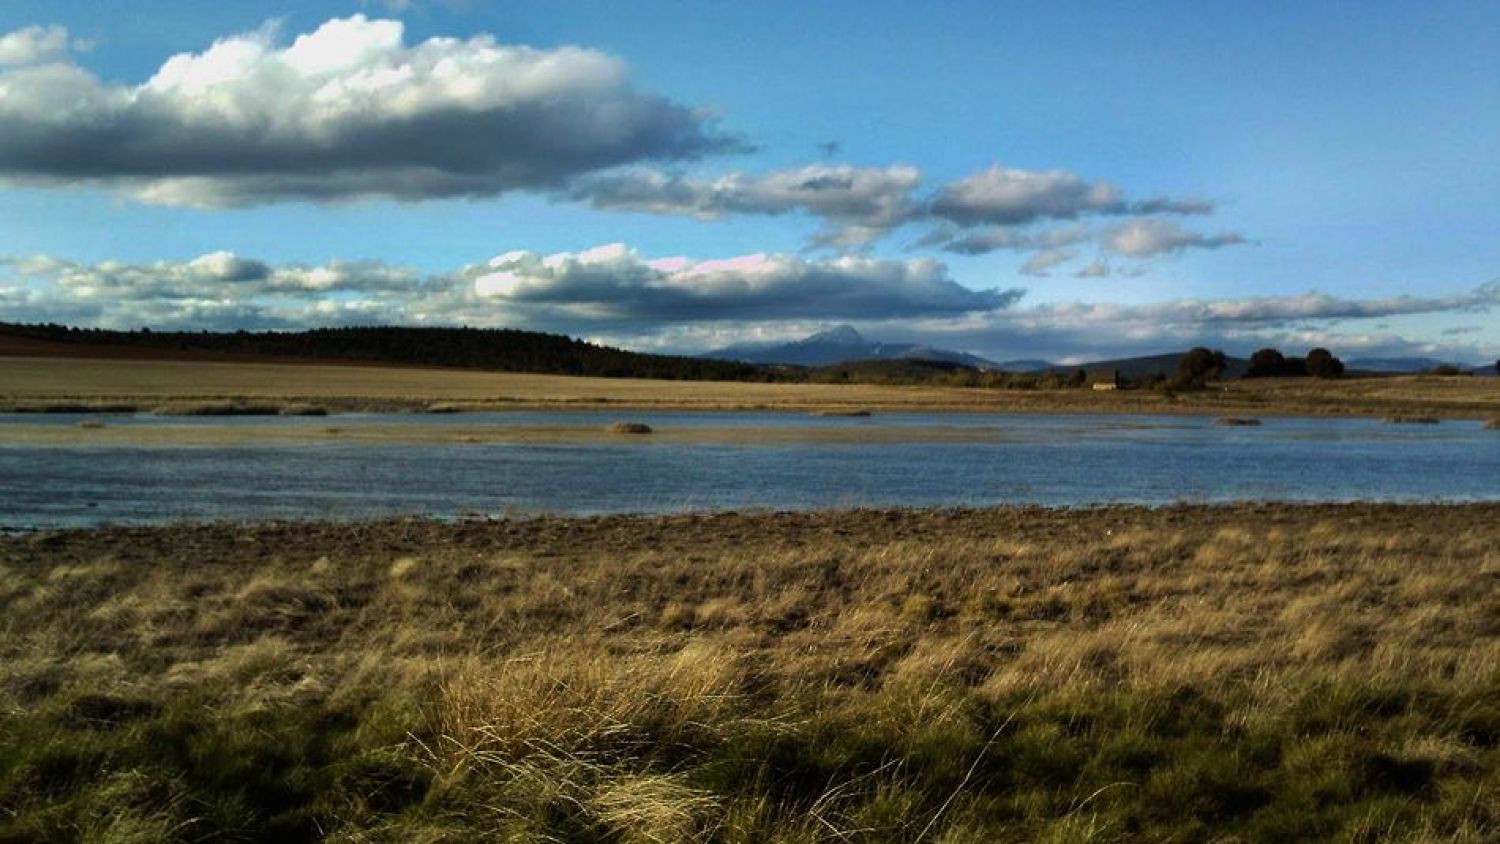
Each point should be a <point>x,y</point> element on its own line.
<point>27,382</point>
<point>1246,673</point>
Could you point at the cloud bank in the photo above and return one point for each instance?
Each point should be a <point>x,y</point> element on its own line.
<point>614,282</point>
<point>348,111</point>
<point>857,204</point>
<point>1036,212</point>
<point>613,294</point>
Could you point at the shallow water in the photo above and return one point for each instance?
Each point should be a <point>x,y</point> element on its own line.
<point>1052,460</point>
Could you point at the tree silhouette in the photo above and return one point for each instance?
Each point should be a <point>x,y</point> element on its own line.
<point>1199,366</point>
<point>1266,363</point>
<point>1322,364</point>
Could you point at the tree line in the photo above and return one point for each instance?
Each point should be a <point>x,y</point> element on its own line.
<point>514,350</point>
<point>468,348</point>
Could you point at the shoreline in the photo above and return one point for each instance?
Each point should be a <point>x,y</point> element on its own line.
<point>704,523</point>
<point>186,387</point>
<point>999,403</point>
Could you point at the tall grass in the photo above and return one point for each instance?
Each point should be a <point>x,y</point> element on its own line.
<point>1251,673</point>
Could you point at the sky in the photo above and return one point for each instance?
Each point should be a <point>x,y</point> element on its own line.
<point>1066,181</point>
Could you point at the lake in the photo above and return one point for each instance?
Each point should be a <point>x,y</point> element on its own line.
<point>1021,459</point>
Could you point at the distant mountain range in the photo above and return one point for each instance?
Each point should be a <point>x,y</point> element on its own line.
<point>841,345</point>
<point>1413,364</point>
<point>844,344</point>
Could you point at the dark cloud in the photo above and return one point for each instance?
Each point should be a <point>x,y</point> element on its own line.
<point>613,282</point>
<point>348,111</point>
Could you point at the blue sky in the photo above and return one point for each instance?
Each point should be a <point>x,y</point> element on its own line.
<point>1148,174</point>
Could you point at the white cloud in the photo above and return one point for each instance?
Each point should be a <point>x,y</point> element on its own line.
<point>1146,238</point>
<point>348,111</point>
<point>860,204</point>
<point>1010,196</point>
<point>34,45</point>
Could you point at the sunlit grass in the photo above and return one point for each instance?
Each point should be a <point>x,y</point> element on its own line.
<point>1267,673</point>
<point>85,385</point>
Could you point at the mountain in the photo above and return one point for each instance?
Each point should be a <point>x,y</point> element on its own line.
<point>840,345</point>
<point>1026,365</point>
<point>1412,364</point>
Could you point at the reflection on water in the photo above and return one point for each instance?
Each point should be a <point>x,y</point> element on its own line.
<point>1055,460</point>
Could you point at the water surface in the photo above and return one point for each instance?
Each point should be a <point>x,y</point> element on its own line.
<point>1033,459</point>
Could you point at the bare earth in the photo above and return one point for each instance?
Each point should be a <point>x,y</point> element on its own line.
<point>39,383</point>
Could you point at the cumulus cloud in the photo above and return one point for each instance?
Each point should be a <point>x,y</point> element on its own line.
<point>614,283</point>
<point>609,286</point>
<point>348,111</point>
<point>34,45</point>
<point>859,204</point>
<point>218,290</point>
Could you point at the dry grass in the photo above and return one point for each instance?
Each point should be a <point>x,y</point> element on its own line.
<point>1258,672</point>
<point>42,382</point>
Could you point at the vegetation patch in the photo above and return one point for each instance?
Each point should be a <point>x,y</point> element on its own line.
<point>233,408</point>
<point>1259,671</point>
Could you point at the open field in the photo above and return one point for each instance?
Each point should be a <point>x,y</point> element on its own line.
<point>1252,673</point>
<point>176,386</point>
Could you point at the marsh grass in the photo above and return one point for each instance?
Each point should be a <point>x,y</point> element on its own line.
<point>1257,673</point>
<point>35,383</point>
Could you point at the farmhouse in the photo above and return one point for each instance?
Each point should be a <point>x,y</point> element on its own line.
<point>1104,379</point>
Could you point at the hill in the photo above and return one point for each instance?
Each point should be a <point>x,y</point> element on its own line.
<point>842,345</point>
<point>1411,365</point>
<point>506,350</point>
